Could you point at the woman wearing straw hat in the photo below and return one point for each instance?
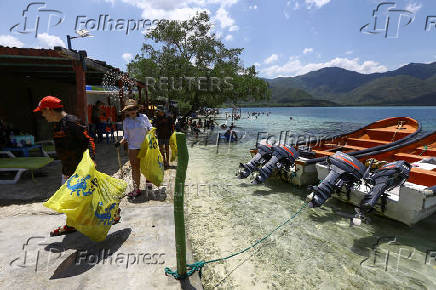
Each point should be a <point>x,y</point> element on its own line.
<point>135,127</point>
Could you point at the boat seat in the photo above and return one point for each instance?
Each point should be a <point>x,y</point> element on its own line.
<point>389,133</point>
<point>422,176</point>
<point>356,148</point>
<point>406,129</point>
<point>410,157</point>
<point>373,141</point>
<point>324,153</point>
<point>428,151</point>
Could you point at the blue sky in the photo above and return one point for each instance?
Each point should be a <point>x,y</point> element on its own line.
<point>282,38</point>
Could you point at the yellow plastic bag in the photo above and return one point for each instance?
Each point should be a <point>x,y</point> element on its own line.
<point>173,145</point>
<point>151,159</point>
<point>90,199</point>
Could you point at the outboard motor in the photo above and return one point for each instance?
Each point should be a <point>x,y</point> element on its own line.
<point>262,156</point>
<point>282,156</point>
<point>385,178</point>
<point>344,170</point>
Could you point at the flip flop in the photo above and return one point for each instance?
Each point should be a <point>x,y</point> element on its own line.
<point>117,217</point>
<point>62,230</point>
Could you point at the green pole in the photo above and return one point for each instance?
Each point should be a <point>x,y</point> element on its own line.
<point>179,215</point>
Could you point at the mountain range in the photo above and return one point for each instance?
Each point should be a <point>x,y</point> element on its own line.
<point>412,84</point>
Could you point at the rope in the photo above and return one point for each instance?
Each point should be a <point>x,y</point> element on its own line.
<point>423,151</point>
<point>197,266</point>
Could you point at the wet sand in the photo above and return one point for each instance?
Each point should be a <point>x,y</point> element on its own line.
<point>316,250</point>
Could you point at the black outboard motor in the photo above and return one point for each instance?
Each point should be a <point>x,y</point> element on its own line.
<point>264,153</point>
<point>344,170</point>
<point>283,155</point>
<point>385,178</point>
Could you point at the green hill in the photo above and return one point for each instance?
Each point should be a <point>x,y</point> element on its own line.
<point>411,84</point>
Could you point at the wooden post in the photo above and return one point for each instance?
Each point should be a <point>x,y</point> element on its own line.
<point>146,99</point>
<point>121,93</point>
<point>179,215</point>
<point>81,100</point>
<point>139,95</point>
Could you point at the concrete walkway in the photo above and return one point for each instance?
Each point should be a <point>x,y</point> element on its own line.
<point>133,256</point>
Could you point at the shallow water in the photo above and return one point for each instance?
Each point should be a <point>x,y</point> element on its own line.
<point>317,249</point>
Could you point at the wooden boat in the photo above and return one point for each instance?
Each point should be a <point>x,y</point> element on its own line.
<point>373,137</point>
<point>416,199</point>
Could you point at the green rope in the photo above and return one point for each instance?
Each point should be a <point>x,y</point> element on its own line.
<point>425,149</point>
<point>197,266</point>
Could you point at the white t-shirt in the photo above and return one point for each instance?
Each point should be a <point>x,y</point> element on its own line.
<point>135,130</point>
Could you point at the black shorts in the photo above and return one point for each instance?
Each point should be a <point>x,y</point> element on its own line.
<point>163,141</point>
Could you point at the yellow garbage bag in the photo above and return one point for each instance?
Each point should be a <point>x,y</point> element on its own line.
<point>90,199</point>
<point>151,159</point>
<point>173,145</point>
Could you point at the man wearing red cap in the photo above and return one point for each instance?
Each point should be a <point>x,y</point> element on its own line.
<point>71,140</point>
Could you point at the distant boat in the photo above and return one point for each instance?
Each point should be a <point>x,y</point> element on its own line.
<point>416,199</point>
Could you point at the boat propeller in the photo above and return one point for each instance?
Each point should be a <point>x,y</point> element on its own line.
<point>267,159</point>
<point>346,171</point>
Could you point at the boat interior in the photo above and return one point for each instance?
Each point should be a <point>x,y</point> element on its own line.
<point>421,154</point>
<point>379,133</point>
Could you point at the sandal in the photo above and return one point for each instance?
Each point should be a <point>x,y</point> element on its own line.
<point>117,217</point>
<point>62,230</point>
<point>134,193</point>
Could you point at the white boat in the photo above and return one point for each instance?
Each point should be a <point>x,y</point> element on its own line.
<point>415,200</point>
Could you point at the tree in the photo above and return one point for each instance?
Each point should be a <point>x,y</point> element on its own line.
<point>185,61</point>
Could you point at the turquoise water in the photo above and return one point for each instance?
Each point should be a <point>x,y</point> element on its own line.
<point>318,249</point>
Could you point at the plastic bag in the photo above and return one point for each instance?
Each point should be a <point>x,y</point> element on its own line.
<point>151,159</point>
<point>90,199</point>
<point>173,145</point>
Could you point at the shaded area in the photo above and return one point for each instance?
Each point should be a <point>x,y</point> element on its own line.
<point>88,253</point>
<point>48,179</point>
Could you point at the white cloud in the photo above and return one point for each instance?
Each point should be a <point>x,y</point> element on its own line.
<point>49,41</point>
<point>413,7</point>
<point>287,16</point>
<point>127,56</point>
<point>168,9</point>
<point>10,41</point>
<point>348,52</point>
<point>252,7</point>
<point>295,67</point>
<point>316,3</point>
<point>257,64</point>
<point>224,19</point>
<point>274,57</point>
<point>309,4</point>
<point>296,5</point>
<point>229,37</point>
<point>234,28</point>
<point>307,50</point>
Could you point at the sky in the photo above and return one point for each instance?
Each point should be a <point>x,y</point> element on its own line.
<point>281,38</point>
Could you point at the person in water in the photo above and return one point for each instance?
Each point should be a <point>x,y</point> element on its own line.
<point>232,133</point>
<point>135,127</point>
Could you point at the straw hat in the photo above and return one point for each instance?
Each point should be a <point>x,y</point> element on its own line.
<point>130,104</point>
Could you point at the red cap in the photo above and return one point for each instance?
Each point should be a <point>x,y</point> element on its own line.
<point>49,102</point>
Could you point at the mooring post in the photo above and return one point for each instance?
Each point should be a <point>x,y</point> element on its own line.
<point>179,214</point>
<point>217,141</point>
